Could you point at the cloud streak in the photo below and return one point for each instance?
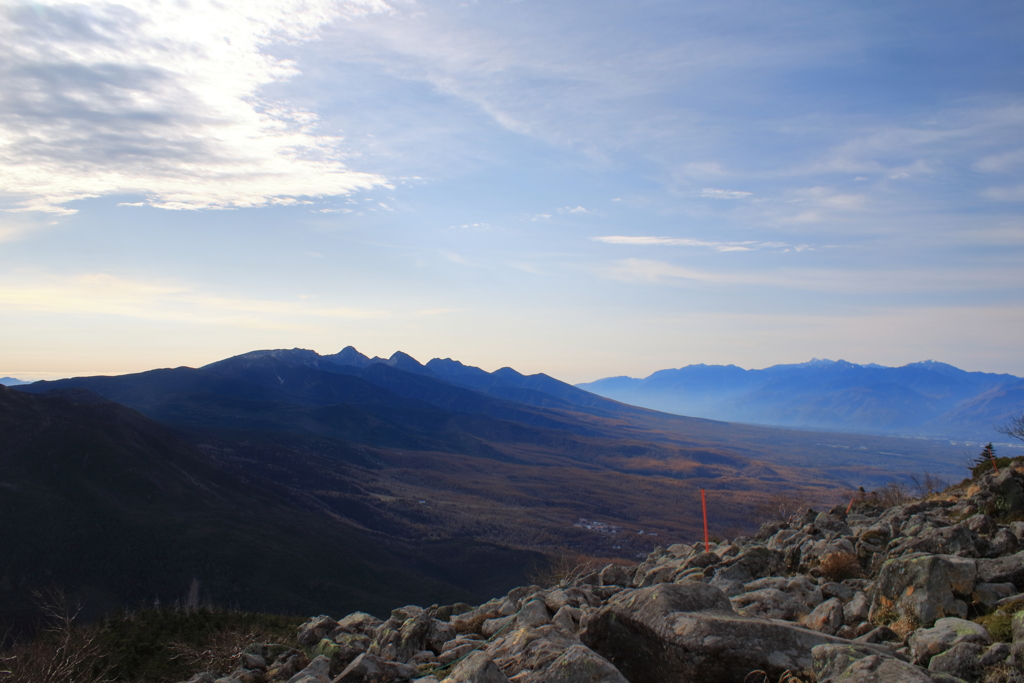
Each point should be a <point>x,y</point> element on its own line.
<point>143,98</point>
<point>819,280</point>
<point>748,245</point>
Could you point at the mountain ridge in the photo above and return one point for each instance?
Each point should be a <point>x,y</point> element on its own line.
<point>925,398</point>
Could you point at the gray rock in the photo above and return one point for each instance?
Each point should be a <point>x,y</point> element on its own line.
<point>368,668</point>
<point>769,603</point>
<point>996,653</point>
<point>924,587</point>
<point>837,590</point>
<point>492,626</point>
<point>359,622</point>
<point>1017,647</point>
<point>980,524</point>
<point>882,669</point>
<point>580,664</point>
<point>204,677</point>
<point>682,632</point>
<point>1009,492</point>
<point>318,671</point>
<point>990,594</point>
<point>926,643</point>
<point>568,618</point>
<point>476,668</point>
<point>826,617</point>
<point>856,610</point>
<point>1008,569</point>
<point>752,564</point>
<point>953,540</point>
<point>534,613</point>
<point>616,575</point>
<point>831,660</point>
<point>311,632</point>
<point>963,660</point>
<point>1002,543</point>
<point>882,634</point>
<point>250,660</point>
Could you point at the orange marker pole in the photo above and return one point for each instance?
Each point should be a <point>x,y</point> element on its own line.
<point>704,506</point>
<point>994,465</point>
<point>849,507</point>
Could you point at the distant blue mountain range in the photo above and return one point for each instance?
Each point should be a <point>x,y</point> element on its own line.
<point>11,381</point>
<point>919,399</point>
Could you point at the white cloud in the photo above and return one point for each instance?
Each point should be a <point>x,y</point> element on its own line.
<point>573,209</point>
<point>153,98</point>
<point>748,245</point>
<point>713,193</point>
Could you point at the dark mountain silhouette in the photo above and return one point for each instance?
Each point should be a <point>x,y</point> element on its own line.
<point>116,509</point>
<point>927,398</point>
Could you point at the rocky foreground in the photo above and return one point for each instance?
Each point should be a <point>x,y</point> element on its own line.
<point>879,595</point>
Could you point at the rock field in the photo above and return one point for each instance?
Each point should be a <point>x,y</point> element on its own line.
<point>927,591</point>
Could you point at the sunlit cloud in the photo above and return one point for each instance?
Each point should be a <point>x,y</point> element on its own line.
<point>141,97</point>
<point>105,294</point>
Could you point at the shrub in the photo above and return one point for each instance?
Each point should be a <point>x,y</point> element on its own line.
<point>840,566</point>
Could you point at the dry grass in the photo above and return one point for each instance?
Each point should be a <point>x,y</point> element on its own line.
<point>763,677</point>
<point>220,654</point>
<point>63,653</point>
<point>565,570</point>
<point>840,566</point>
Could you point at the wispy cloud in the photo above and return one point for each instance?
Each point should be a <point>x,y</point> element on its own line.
<point>713,193</point>
<point>810,279</point>
<point>573,209</point>
<point>747,245</point>
<point>148,98</point>
<point>105,294</point>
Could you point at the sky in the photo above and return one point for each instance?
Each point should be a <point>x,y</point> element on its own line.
<point>584,189</point>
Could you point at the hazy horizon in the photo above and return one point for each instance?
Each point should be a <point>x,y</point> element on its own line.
<point>580,189</point>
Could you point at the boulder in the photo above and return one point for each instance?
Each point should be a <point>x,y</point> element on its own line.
<point>963,661</point>
<point>368,668</point>
<point>924,587</point>
<point>826,617</point>
<point>534,613</point>
<point>856,610</point>
<point>359,622</point>
<point>769,603</point>
<point>579,664</point>
<point>688,632</point>
<point>1007,569</point>
<point>476,668</point>
<point>952,540</point>
<point>850,664</point>
<point>318,671</point>
<point>1009,492</point>
<point>751,564</point>
<point>311,632</point>
<point>926,643</point>
<point>616,575</point>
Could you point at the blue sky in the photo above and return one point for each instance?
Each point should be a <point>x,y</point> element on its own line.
<point>579,188</point>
